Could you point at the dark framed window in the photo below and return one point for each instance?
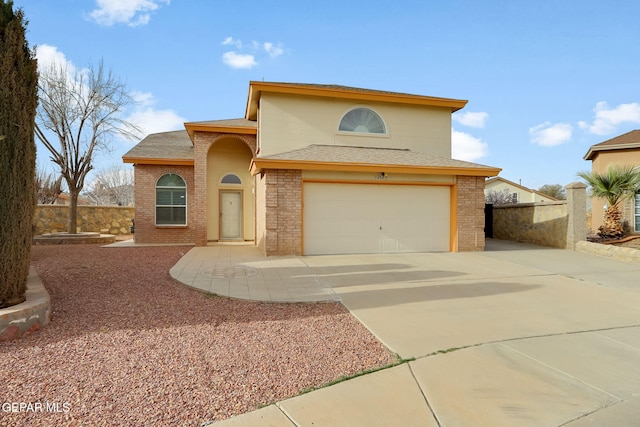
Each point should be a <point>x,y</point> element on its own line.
<point>231,179</point>
<point>171,200</point>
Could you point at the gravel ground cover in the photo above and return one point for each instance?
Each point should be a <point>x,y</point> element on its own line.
<point>127,345</point>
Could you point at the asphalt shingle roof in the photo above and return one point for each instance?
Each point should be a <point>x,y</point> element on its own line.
<point>165,145</point>
<point>632,137</point>
<point>370,156</point>
<point>624,141</point>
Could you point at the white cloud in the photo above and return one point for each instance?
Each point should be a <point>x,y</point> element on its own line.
<point>49,56</point>
<point>53,62</point>
<point>131,12</point>
<point>273,50</point>
<point>471,119</point>
<point>467,147</point>
<point>150,120</point>
<point>606,118</point>
<point>230,41</point>
<point>244,55</point>
<point>548,135</point>
<point>238,60</point>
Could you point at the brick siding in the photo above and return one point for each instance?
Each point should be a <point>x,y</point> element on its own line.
<point>470,213</point>
<point>282,212</point>
<point>146,231</point>
<point>202,143</point>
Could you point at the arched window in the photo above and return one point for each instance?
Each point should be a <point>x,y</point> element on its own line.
<point>171,200</point>
<point>362,120</point>
<point>231,179</point>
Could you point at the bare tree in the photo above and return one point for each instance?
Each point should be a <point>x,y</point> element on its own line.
<point>113,186</point>
<point>83,110</point>
<point>554,190</point>
<point>504,197</point>
<point>48,188</point>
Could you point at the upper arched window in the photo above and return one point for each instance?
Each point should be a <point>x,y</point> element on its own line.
<point>171,200</point>
<point>363,120</point>
<point>231,179</point>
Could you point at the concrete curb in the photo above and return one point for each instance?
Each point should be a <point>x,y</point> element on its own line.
<point>68,239</point>
<point>609,251</point>
<point>29,316</point>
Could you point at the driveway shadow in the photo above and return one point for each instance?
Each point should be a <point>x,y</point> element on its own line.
<point>375,274</point>
<point>428,292</point>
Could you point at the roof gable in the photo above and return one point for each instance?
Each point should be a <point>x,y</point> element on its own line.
<point>622,142</point>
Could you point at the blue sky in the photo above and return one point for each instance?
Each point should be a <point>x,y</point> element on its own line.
<point>545,80</point>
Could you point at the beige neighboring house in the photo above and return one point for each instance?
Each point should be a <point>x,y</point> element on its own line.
<point>622,150</point>
<point>518,193</point>
<point>65,199</point>
<point>314,169</point>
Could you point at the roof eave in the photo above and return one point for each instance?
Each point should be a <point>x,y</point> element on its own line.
<point>259,164</point>
<point>594,149</point>
<point>192,128</point>
<point>157,161</point>
<point>256,89</point>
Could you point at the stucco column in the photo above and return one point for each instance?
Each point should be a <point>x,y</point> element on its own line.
<point>577,213</point>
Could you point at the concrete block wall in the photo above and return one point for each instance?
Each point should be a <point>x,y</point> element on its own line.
<point>103,219</point>
<point>555,224</point>
<point>542,224</point>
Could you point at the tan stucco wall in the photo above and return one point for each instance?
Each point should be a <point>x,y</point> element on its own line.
<point>103,219</point>
<point>228,156</point>
<point>600,164</point>
<point>289,122</point>
<point>261,212</point>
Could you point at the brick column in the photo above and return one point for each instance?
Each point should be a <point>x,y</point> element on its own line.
<point>283,212</point>
<point>470,206</point>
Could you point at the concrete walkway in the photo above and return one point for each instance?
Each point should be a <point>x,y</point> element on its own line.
<point>242,272</point>
<point>516,336</point>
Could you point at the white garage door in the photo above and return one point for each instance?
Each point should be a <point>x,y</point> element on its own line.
<point>358,218</point>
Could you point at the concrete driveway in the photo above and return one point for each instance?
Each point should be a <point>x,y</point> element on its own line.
<point>516,336</point>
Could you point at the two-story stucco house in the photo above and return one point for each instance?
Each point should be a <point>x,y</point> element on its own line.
<point>621,150</point>
<point>314,169</point>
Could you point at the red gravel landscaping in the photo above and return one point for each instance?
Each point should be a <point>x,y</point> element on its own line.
<point>127,345</point>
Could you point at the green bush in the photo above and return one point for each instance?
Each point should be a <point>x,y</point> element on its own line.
<point>18,102</point>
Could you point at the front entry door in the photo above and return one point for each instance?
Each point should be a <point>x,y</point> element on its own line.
<point>231,215</point>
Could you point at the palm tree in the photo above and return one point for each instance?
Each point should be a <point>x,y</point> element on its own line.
<point>615,184</point>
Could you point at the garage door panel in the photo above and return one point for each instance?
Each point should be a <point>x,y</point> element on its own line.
<point>356,218</point>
